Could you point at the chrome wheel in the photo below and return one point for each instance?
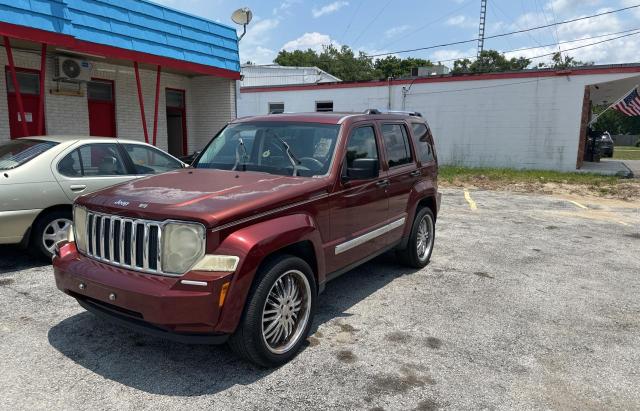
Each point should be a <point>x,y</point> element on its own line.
<point>424,237</point>
<point>286,311</point>
<point>55,231</point>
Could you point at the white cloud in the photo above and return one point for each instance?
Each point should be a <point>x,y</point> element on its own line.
<point>253,45</point>
<point>396,31</point>
<point>313,41</point>
<point>329,8</point>
<point>569,5</point>
<point>461,21</point>
<point>284,7</point>
<point>446,55</point>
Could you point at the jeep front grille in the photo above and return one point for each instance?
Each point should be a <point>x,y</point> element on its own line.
<point>125,242</point>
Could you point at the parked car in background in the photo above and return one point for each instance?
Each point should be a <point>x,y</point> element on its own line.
<point>238,247</point>
<point>606,145</point>
<point>42,176</point>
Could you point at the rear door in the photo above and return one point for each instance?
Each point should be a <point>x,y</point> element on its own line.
<point>359,207</point>
<point>403,173</point>
<point>90,167</point>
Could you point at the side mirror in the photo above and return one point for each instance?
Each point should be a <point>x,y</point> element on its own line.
<point>363,169</point>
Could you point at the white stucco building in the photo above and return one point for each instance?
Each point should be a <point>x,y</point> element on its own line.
<point>534,119</point>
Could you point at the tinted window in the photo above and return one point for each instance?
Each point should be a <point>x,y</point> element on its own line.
<point>362,144</point>
<point>396,144</point>
<point>100,91</point>
<point>70,165</point>
<point>148,160</point>
<point>175,98</point>
<point>17,152</point>
<point>324,106</point>
<point>422,142</point>
<point>260,146</point>
<point>29,82</point>
<point>101,160</point>
<point>276,108</point>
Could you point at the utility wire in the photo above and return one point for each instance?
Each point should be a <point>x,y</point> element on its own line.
<point>506,34</point>
<point>368,26</point>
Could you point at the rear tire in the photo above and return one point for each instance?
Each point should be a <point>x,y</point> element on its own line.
<point>278,313</point>
<point>420,245</point>
<point>48,230</point>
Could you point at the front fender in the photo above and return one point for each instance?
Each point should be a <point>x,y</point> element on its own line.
<point>252,244</point>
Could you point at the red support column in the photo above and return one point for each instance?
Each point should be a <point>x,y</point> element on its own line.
<point>16,86</point>
<point>155,114</point>
<point>43,74</point>
<point>141,101</point>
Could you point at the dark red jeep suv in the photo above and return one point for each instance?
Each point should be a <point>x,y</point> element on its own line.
<point>238,247</point>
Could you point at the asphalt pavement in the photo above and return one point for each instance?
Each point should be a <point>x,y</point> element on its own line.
<point>530,302</point>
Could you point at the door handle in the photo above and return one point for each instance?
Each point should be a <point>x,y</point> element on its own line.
<point>416,173</point>
<point>383,183</point>
<point>77,187</point>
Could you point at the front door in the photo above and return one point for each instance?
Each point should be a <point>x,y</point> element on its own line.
<point>29,83</point>
<point>176,123</point>
<point>359,207</point>
<point>102,108</point>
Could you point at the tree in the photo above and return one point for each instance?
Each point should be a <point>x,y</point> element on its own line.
<point>490,61</point>
<point>341,62</point>
<point>615,122</point>
<point>558,61</point>
<point>392,66</point>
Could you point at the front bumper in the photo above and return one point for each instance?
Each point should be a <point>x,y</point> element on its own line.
<point>153,304</point>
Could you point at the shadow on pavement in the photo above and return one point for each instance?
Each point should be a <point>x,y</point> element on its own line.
<point>163,367</point>
<point>14,258</point>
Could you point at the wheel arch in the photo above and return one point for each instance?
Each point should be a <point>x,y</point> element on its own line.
<point>58,207</point>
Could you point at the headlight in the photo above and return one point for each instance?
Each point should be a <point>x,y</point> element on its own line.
<point>223,263</point>
<point>182,245</point>
<point>80,227</point>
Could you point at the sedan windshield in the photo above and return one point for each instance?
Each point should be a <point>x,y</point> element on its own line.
<point>285,148</point>
<point>17,152</point>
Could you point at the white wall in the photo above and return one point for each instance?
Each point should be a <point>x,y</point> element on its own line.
<point>515,123</point>
<point>210,102</point>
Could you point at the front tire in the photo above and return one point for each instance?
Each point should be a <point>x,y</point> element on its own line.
<point>278,313</point>
<point>420,245</point>
<point>50,228</point>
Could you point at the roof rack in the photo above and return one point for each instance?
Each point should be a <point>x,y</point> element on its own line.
<point>406,113</point>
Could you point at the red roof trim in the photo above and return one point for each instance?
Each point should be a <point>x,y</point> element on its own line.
<point>466,77</point>
<point>71,43</point>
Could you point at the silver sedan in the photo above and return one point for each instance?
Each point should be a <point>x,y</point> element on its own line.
<point>40,177</point>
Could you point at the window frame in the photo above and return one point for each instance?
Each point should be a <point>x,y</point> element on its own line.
<point>125,161</point>
<point>270,111</point>
<point>353,129</point>
<point>408,137</point>
<point>324,102</point>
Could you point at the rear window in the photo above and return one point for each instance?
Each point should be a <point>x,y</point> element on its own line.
<point>17,152</point>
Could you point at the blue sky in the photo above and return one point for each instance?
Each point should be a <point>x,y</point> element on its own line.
<point>376,26</point>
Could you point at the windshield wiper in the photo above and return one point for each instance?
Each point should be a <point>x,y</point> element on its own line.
<point>292,157</point>
<point>239,156</point>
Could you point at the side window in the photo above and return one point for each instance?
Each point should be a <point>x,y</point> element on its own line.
<point>276,108</point>
<point>70,165</point>
<point>422,142</point>
<point>148,160</point>
<point>101,160</point>
<point>396,144</point>
<point>362,144</point>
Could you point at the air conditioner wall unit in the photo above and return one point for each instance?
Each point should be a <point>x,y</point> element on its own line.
<point>70,69</point>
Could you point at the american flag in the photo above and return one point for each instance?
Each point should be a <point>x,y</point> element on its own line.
<point>630,105</point>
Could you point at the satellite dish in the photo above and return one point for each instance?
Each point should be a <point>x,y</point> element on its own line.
<point>242,16</point>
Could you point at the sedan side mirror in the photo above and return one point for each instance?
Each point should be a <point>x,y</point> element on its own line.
<point>363,169</point>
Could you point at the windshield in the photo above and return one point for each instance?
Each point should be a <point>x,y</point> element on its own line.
<point>17,152</point>
<point>285,148</point>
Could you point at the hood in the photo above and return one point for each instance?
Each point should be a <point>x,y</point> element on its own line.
<point>212,197</point>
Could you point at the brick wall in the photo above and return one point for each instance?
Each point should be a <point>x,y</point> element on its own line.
<point>210,102</point>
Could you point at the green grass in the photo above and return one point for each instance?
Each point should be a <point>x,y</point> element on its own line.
<point>626,153</point>
<point>453,174</point>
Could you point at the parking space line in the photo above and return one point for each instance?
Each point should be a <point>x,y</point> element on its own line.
<point>578,204</point>
<point>467,196</point>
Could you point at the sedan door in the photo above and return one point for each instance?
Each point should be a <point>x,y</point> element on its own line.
<point>90,167</point>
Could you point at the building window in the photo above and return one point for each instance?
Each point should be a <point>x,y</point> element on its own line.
<point>276,108</point>
<point>324,105</point>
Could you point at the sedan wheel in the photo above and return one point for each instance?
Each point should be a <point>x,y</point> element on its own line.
<point>55,231</point>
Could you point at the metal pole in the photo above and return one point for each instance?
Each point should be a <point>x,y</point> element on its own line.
<point>16,86</point>
<point>141,102</point>
<point>43,73</point>
<point>155,114</point>
<point>610,106</point>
